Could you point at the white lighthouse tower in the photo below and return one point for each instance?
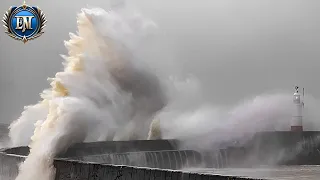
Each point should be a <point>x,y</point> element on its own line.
<point>296,122</point>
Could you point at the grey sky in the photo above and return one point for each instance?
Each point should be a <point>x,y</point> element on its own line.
<point>236,48</point>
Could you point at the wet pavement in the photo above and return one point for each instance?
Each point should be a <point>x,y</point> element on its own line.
<point>278,173</point>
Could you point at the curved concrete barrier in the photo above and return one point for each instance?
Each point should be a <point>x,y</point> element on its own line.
<point>72,169</point>
<point>285,148</point>
<point>173,159</point>
<point>69,170</point>
<point>103,147</point>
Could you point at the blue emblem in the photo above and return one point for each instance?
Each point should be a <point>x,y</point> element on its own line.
<point>24,22</point>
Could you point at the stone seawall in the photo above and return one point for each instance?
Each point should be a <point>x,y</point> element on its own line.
<point>286,148</point>
<point>69,170</point>
<point>269,148</point>
<point>103,147</point>
<point>266,148</point>
<point>9,166</point>
<point>76,170</point>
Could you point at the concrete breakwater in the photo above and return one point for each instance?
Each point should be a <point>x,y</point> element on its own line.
<point>121,159</point>
<point>72,169</point>
<point>267,148</point>
<point>284,148</point>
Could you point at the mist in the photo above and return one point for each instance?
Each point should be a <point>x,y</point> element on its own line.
<point>236,49</point>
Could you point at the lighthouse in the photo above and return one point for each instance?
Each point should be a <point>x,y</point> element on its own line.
<point>296,122</point>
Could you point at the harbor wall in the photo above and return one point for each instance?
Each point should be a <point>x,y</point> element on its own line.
<point>269,148</point>
<point>266,148</point>
<point>104,147</point>
<point>71,170</point>
<point>287,148</point>
<point>68,170</point>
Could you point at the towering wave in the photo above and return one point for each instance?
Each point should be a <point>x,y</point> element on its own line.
<point>102,86</point>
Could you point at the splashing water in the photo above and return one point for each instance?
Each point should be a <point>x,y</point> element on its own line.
<point>207,124</point>
<point>105,92</point>
<point>101,86</point>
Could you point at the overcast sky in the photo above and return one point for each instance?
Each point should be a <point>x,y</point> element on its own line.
<point>237,48</point>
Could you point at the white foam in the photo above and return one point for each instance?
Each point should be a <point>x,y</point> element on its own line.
<point>96,91</point>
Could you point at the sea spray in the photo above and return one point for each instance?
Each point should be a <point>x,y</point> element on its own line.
<point>93,89</point>
<point>22,129</point>
<point>206,125</point>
